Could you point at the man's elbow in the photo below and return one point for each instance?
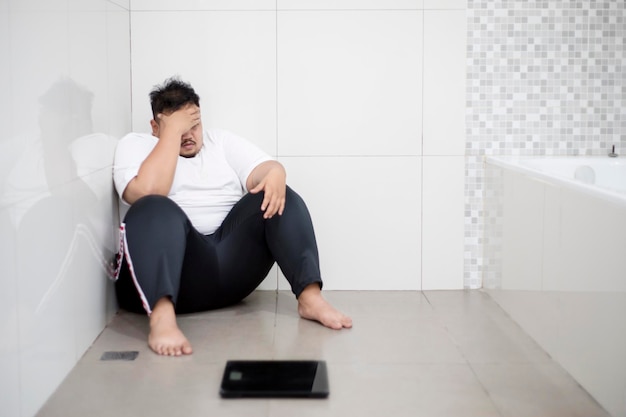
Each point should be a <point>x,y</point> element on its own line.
<point>134,191</point>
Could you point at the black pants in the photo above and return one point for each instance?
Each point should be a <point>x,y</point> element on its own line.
<point>164,256</point>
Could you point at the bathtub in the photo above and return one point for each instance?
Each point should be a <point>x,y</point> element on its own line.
<point>554,250</point>
<point>601,177</point>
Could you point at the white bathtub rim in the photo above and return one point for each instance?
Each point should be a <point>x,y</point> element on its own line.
<point>515,163</point>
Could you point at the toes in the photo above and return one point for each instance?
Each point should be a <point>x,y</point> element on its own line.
<point>339,323</point>
<point>175,350</point>
<point>336,321</point>
<point>334,325</point>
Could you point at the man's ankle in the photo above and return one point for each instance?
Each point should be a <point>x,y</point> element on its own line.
<point>163,308</point>
<point>311,290</point>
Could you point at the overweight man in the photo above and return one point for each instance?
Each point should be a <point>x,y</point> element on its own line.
<point>209,215</point>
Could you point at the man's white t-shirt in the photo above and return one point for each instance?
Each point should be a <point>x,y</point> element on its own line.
<point>206,186</point>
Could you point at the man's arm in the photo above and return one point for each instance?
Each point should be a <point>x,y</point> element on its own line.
<point>156,172</point>
<point>270,177</point>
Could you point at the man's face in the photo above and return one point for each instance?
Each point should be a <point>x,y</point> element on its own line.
<point>190,141</point>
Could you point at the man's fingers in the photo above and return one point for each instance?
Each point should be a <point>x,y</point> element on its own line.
<point>185,118</point>
<point>268,205</point>
<point>273,200</point>
<point>266,202</point>
<point>275,206</point>
<point>272,204</point>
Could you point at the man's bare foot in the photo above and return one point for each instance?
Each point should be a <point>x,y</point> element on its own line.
<point>312,306</point>
<point>165,337</point>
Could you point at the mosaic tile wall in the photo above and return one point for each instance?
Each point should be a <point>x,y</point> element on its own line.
<point>543,78</point>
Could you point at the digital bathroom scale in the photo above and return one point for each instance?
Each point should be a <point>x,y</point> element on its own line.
<point>275,379</point>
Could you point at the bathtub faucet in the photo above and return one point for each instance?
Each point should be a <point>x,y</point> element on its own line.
<point>612,154</point>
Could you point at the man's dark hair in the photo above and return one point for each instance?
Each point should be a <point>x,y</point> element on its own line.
<point>172,95</point>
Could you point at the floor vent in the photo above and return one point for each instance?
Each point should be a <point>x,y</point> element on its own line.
<point>127,355</point>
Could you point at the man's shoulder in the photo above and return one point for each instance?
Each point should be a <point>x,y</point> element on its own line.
<point>137,141</point>
<point>134,146</point>
<point>139,137</point>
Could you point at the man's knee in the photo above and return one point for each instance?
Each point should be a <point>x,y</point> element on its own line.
<point>293,198</point>
<point>154,206</point>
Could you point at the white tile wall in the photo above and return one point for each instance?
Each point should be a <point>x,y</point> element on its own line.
<point>353,88</point>
<point>349,4</point>
<point>445,4</point>
<point>5,70</point>
<point>367,227</point>
<point>94,241</point>
<point>125,4</point>
<point>45,295</point>
<point>442,222</point>
<point>118,84</point>
<point>229,58</point>
<point>187,5</point>
<point>443,146</point>
<point>271,281</point>
<point>168,5</point>
<point>9,350</point>
<point>444,82</point>
<point>56,202</point>
<point>334,89</point>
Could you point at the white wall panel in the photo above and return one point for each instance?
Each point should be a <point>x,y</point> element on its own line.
<point>169,5</point>
<point>5,73</point>
<point>9,348</point>
<point>93,245</point>
<point>118,93</point>
<point>228,57</point>
<point>367,227</point>
<point>125,4</point>
<point>44,293</point>
<point>69,76</point>
<point>47,33</point>
<point>523,202</point>
<point>353,89</point>
<point>444,82</point>
<point>445,4</point>
<point>270,283</point>
<point>349,4</point>
<point>562,276</point>
<point>349,82</point>
<point>443,180</point>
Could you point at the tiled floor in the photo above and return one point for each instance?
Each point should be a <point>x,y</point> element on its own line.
<point>439,353</point>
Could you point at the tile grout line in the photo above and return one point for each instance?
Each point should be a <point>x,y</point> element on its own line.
<point>467,361</point>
